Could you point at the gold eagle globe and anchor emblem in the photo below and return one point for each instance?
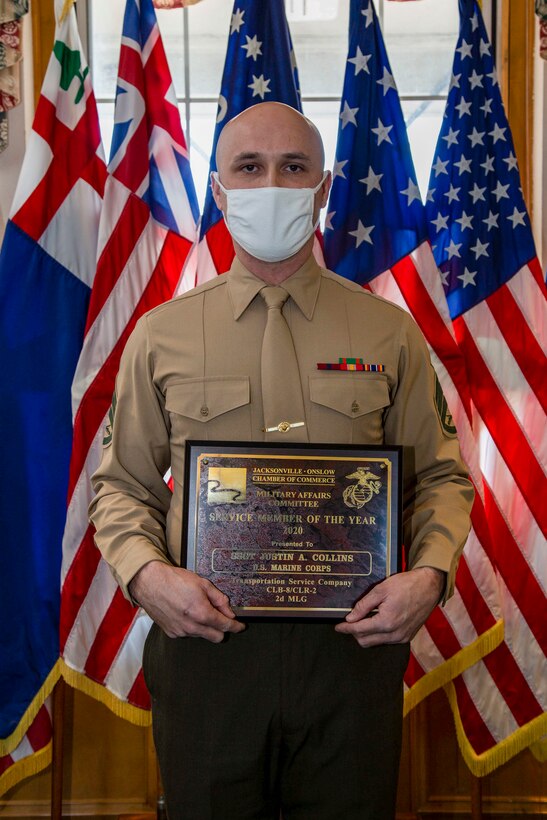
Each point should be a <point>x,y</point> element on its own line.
<point>368,484</point>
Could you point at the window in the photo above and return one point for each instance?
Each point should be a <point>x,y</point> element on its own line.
<point>420,40</point>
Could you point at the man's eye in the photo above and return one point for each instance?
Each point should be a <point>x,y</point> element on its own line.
<point>294,169</point>
<point>248,169</point>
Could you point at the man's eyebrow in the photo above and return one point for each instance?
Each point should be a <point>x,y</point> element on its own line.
<point>246,155</point>
<point>253,155</point>
<point>297,155</point>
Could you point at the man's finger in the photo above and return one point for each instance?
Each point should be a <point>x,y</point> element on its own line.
<point>221,603</point>
<point>368,626</point>
<point>208,616</point>
<point>373,640</point>
<point>218,599</point>
<point>207,632</point>
<point>365,605</point>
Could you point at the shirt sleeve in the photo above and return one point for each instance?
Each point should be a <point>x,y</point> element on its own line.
<point>132,500</point>
<point>437,491</point>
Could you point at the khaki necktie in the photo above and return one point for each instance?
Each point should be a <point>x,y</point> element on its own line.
<point>284,418</point>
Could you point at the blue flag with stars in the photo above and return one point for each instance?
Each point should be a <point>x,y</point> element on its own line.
<point>260,66</point>
<point>375,215</point>
<point>478,222</point>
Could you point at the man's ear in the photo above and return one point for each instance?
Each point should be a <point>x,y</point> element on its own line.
<point>326,189</point>
<point>217,193</point>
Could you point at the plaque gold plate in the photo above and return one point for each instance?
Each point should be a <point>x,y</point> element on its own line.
<point>288,531</point>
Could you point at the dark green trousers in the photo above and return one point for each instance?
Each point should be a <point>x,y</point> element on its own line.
<point>284,717</point>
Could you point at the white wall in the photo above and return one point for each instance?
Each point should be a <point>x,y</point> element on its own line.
<point>10,162</point>
<point>19,122</point>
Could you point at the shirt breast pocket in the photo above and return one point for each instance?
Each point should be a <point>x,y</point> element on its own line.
<point>348,408</point>
<point>209,408</point>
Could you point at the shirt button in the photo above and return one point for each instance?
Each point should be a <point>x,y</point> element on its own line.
<point>204,411</point>
<point>355,407</point>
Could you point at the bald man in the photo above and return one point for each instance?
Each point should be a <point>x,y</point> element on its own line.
<point>255,719</point>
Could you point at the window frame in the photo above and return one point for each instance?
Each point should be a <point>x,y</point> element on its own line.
<point>85,21</point>
<point>511,26</point>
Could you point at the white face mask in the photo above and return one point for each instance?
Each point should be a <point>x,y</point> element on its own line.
<point>270,223</point>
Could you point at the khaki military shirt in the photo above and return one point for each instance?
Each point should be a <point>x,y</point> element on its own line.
<point>191,370</point>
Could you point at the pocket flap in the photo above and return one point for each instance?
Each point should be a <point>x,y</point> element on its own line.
<point>205,399</point>
<point>353,396</point>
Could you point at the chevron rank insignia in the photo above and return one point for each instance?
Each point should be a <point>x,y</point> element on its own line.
<point>345,363</point>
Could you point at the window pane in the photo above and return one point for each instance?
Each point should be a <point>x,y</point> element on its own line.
<point>106,32</point>
<point>325,116</point>
<point>420,41</point>
<point>171,27</point>
<point>423,121</point>
<point>202,129</point>
<point>106,122</point>
<point>320,46</point>
<point>209,26</point>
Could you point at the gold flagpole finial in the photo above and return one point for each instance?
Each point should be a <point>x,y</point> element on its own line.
<point>67,5</point>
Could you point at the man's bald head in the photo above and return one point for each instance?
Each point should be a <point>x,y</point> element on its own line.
<point>270,127</point>
<point>271,145</point>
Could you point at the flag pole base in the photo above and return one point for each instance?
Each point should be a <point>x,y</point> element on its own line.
<point>476,798</point>
<point>58,751</point>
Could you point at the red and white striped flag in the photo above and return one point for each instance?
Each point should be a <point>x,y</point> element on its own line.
<point>497,299</point>
<point>376,234</point>
<point>147,233</point>
<point>32,753</point>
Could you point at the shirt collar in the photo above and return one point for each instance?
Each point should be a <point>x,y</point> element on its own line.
<point>303,286</point>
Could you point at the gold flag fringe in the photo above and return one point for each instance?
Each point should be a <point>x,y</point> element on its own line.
<point>134,714</point>
<point>141,717</point>
<point>539,750</point>
<point>434,680</point>
<point>453,667</point>
<point>531,734</point>
<point>8,744</point>
<point>26,767</point>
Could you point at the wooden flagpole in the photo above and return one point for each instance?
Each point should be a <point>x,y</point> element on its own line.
<point>476,798</point>
<point>58,750</point>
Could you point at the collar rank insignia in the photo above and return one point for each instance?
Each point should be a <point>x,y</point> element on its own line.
<point>351,364</point>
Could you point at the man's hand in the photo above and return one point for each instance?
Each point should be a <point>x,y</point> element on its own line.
<point>182,603</point>
<point>403,603</point>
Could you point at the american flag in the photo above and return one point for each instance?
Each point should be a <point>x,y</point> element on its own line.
<point>147,232</point>
<point>260,66</point>
<point>484,248</point>
<point>376,234</point>
<point>47,265</point>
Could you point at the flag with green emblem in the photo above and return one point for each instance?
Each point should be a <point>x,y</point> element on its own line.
<point>47,267</point>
